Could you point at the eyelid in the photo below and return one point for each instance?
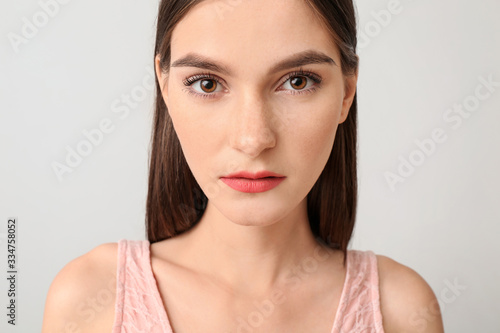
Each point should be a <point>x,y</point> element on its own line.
<point>310,75</point>
<point>192,79</point>
<point>189,81</point>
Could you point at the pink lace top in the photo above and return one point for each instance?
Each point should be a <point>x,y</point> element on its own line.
<point>139,307</point>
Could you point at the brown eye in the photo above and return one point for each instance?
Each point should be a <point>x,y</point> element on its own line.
<point>208,85</point>
<point>298,82</point>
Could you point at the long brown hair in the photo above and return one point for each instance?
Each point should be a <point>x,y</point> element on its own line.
<point>176,202</point>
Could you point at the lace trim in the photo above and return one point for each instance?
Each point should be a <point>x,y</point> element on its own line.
<point>359,307</point>
<point>138,307</point>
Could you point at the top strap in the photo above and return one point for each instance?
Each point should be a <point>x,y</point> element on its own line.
<point>138,306</point>
<point>359,308</point>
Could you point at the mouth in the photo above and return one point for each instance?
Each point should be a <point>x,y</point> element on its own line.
<point>257,175</point>
<point>248,185</point>
<point>270,177</point>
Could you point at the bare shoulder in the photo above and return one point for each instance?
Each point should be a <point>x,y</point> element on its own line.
<point>407,302</point>
<point>82,295</point>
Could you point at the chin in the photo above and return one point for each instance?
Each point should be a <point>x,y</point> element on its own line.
<point>258,216</point>
<point>254,223</point>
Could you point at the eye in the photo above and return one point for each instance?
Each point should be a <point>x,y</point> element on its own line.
<point>297,82</point>
<point>206,86</point>
<point>301,82</point>
<point>203,85</point>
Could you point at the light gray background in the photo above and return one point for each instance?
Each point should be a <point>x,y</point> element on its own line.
<point>442,220</point>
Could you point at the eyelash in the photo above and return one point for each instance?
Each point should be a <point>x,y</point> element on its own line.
<point>203,76</point>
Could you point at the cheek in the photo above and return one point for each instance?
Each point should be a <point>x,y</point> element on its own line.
<point>197,135</point>
<point>316,141</point>
<point>312,138</point>
<point>186,128</point>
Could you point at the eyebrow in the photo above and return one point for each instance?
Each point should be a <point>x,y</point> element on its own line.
<point>296,60</point>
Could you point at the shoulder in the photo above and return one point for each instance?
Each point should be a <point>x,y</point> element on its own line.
<point>82,295</point>
<point>407,302</point>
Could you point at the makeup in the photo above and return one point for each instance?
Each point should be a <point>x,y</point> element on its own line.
<point>253,185</point>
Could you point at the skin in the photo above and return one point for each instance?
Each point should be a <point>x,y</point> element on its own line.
<point>247,244</point>
<point>253,123</point>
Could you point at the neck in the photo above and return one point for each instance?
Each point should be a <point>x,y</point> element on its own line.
<point>253,259</point>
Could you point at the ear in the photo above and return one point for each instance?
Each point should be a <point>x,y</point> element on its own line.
<point>350,85</point>
<point>162,77</point>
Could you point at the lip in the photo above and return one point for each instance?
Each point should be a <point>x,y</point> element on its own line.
<point>253,185</point>
<point>256,175</point>
<point>245,181</point>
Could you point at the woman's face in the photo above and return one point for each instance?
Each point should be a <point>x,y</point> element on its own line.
<point>255,111</point>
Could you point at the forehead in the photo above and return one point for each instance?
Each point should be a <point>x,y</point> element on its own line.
<point>251,35</point>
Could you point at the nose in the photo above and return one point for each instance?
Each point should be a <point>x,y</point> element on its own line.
<point>251,125</point>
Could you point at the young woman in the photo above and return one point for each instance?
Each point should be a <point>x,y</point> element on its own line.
<point>252,189</point>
